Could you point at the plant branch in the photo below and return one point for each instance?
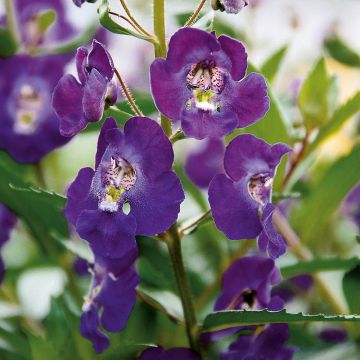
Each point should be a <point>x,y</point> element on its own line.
<point>196,223</point>
<point>173,242</point>
<point>195,14</point>
<point>128,12</point>
<point>129,21</point>
<point>128,95</point>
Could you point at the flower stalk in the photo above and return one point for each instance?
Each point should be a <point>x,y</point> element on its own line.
<point>195,14</point>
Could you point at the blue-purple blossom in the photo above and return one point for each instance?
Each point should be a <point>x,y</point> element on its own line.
<point>157,353</point>
<point>110,299</point>
<point>133,189</point>
<point>229,6</point>
<point>240,199</point>
<point>29,127</point>
<point>7,223</point>
<point>202,84</point>
<point>79,102</point>
<point>333,335</point>
<point>293,286</point>
<point>80,2</point>
<point>268,343</point>
<point>201,166</point>
<point>352,205</point>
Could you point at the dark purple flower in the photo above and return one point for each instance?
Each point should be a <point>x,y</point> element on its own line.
<point>7,223</point>
<point>268,344</point>
<point>111,298</point>
<point>333,335</point>
<point>133,169</point>
<point>240,198</point>
<point>29,127</point>
<point>81,266</point>
<point>202,84</point>
<point>352,205</point>
<point>80,2</point>
<point>288,289</point>
<point>203,165</point>
<point>229,6</point>
<point>78,103</point>
<point>157,353</point>
<point>31,35</point>
<point>247,284</point>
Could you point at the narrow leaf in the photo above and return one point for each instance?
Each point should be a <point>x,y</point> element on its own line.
<point>341,52</point>
<point>8,44</point>
<point>271,66</point>
<point>351,287</point>
<point>45,19</point>
<point>228,319</point>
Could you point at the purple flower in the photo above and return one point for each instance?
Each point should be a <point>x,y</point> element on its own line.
<point>247,284</point>
<point>292,286</point>
<point>7,223</point>
<point>81,267</point>
<point>239,196</point>
<point>31,34</point>
<point>111,298</point>
<point>269,344</point>
<point>78,103</point>
<point>133,170</point>
<point>80,2</point>
<point>29,127</point>
<point>229,6</point>
<point>203,165</point>
<point>157,353</point>
<point>333,335</point>
<point>352,205</point>
<point>202,84</point>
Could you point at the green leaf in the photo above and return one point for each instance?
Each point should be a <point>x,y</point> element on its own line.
<point>45,19</point>
<point>17,342</point>
<point>318,265</point>
<point>358,239</point>
<point>108,23</point>
<point>314,96</point>
<point>271,66</point>
<point>228,319</point>
<point>351,287</point>
<point>40,209</point>
<point>341,52</point>
<point>328,193</point>
<point>338,119</point>
<point>8,44</point>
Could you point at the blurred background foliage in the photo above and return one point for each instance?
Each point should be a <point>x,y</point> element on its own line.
<point>309,51</point>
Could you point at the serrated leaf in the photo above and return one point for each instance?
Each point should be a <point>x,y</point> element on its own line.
<point>351,288</point>
<point>318,265</point>
<point>314,96</point>
<point>329,191</point>
<point>271,66</point>
<point>108,23</point>
<point>45,19</point>
<point>40,209</point>
<point>341,52</point>
<point>228,319</point>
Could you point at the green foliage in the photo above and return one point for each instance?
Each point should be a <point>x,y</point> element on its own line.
<point>107,22</point>
<point>40,209</point>
<point>271,66</point>
<point>144,101</point>
<point>45,19</point>
<point>314,96</point>
<point>327,194</point>
<point>318,265</point>
<point>341,52</point>
<point>228,319</point>
<point>351,288</point>
<point>8,44</point>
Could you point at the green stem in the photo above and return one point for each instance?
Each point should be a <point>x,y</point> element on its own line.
<point>11,20</point>
<point>174,246</point>
<point>196,13</point>
<point>161,48</point>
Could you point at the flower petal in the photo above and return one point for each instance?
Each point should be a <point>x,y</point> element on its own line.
<point>80,60</point>
<point>101,60</point>
<point>235,212</point>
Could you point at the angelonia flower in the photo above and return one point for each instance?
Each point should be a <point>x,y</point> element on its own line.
<point>133,191</point>
<point>202,84</point>
<point>333,335</point>
<point>29,127</point>
<point>157,353</point>
<point>247,285</point>
<point>352,205</point>
<point>229,6</point>
<point>80,2</point>
<point>31,33</point>
<point>110,299</point>
<point>7,223</point>
<point>299,284</point>
<point>79,102</point>
<point>240,199</point>
<point>202,165</point>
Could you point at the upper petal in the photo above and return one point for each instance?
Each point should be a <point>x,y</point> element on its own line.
<point>80,60</point>
<point>101,60</point>
<point>235,212</point>
<point>235,50</point>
